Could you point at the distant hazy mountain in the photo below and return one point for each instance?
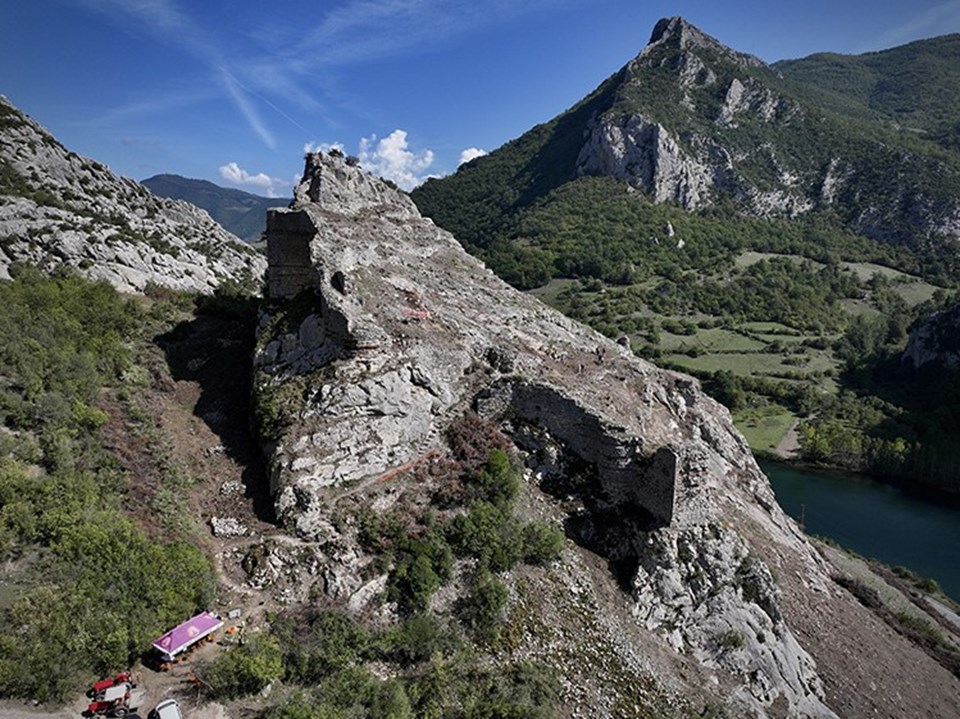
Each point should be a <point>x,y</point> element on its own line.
<point>60,209</point>
<point>242,213</point>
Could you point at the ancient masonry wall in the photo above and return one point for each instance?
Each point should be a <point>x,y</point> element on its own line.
<point>289,268</point>
<point>627,474</point>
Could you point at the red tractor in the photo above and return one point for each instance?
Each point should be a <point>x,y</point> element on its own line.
<point>101,686</point>
<point>115,700</point>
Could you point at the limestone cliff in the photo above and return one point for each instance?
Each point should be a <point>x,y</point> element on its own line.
<point>380,331</point>
<point>60,209</point>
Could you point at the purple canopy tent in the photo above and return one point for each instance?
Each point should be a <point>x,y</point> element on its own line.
<point>184,636</point>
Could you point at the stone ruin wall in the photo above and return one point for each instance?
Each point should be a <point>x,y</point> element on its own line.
<point>289,266</point>
<point>627,474</point>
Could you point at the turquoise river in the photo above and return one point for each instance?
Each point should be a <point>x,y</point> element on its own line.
<point>873,519</point>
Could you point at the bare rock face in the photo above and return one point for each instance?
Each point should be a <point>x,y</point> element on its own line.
<point>693,169</point>
<point>382,330</point>
<point>644,154</point>
<point>57,208</point>
<point>935,339</point>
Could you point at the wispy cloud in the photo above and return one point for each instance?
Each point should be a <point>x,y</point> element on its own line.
<point>940,19</point>
<point>157,103</point>
<point>166,21</point>
<point>362,30</point>
<point>295,60</point>
<point>248,111</point>
<point>236,175</point>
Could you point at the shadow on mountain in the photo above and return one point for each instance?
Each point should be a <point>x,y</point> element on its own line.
<point>214,350</point>
<point>594,522</point>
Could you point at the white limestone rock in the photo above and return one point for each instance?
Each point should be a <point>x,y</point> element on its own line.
<point>382,330</point>
<point>68,210</point>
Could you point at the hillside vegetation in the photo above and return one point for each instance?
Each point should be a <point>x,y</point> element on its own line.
<point>240,213</point>
<point>87,586</point>
<point>103,555</point>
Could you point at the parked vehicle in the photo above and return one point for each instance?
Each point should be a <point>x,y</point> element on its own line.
<point>118,700</point>
<point>101,686</point>
<point>167,709</point>
<point>184,637</point>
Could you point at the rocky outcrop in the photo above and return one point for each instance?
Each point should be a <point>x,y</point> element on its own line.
<point>935,339</point>
<point>380,331</point>
<point>643,153</point>
<point>675,33</point>
<point>60,209</point>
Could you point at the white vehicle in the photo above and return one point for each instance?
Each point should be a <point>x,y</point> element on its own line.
<point>167,709</point>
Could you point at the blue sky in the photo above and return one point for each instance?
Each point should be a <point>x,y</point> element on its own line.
<point>234,91</point>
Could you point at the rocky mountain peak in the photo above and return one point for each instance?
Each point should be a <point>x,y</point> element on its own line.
<point>677,34</point>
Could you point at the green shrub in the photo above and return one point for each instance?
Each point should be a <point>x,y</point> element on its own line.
<point>489,533</point>
<point>412,583</point>
<point>418,639</point>
<point>421,566</point>
<point>731,640</point>
<point>482,610</point>
<point>320,644</point>
<point>542,543</point>
<point>526,690</point>
<point>245,669</point>
<point>499,481</point>
<point>355,692</point>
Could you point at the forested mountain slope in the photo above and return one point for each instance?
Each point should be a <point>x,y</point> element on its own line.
<point>733,220</point>
<point>915,87</point>
<point>691,124</point>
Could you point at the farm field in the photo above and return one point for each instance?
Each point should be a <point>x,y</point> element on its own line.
<point>753,364</point>
<point>774,359</point>
<point>765,426</point>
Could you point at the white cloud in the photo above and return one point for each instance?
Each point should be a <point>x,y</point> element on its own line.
<point>471,153</point>
<point>389,158</point>
<point>323,147</point>
<point>234,174</point>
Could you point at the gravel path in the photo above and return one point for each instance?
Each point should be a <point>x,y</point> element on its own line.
<point>790,443</point>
